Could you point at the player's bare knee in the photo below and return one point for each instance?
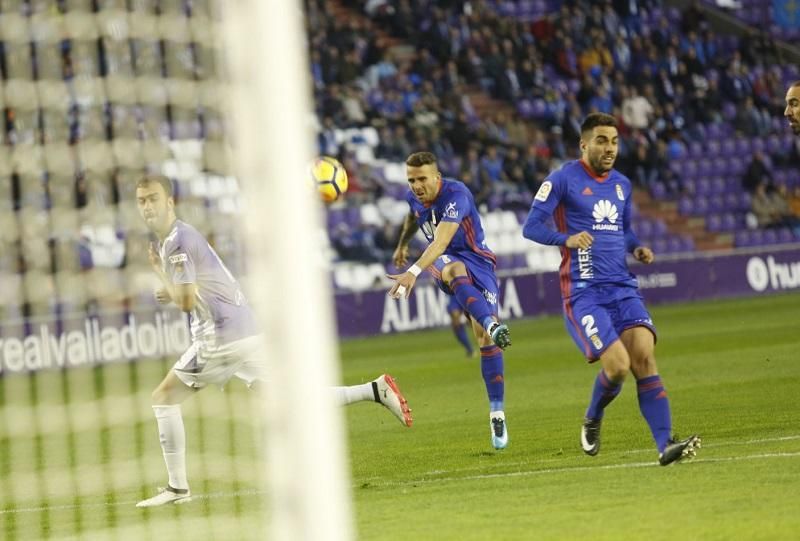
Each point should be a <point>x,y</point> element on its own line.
<point>159,396</point>
<point>643,365</point>
<point>453,270</point>
<point>165,394</point>
<point>616,363</point>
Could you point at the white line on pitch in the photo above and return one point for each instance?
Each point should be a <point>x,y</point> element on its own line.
<point>528,473</point>
<point>621,452</point>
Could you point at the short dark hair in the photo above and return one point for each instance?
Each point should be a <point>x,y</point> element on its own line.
<point>418,159</point>
<point>593,120</point>
<point>154,178</point>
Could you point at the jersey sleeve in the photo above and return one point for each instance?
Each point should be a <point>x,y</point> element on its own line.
<point>550,193</point>
<point>456,207</point>
<point>179,261</point>
<point>543,206</point>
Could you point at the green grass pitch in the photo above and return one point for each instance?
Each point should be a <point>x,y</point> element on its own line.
<point>78,450</point>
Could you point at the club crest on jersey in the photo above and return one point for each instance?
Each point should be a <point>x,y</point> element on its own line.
<point>544,191</point>
<point>450,211</point>
<point>604,210</point>
<point>620,194</point>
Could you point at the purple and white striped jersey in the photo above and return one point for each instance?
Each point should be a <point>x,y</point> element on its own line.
<point>221,313</point>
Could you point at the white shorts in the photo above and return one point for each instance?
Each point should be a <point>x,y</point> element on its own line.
<point>244,359</point>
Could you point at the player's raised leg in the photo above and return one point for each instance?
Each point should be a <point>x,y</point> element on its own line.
<point>457,278</point>
<point>492,370</point>
<point>166,400</point>
<point>383,390</point>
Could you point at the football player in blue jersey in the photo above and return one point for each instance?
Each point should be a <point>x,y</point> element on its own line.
<point>604,312</point>
<point>461,264</point>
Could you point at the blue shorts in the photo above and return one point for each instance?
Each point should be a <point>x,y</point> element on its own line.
<point>480,271</point>
<point>596,317</point>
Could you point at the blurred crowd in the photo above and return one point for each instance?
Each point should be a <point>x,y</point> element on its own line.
<point>666,75</point>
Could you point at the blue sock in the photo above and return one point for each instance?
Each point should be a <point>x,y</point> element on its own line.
<point>603,393</point>
<point>461,335</point>
<point>492,370</point>
<point>471,300</point>
<point>654,405</point>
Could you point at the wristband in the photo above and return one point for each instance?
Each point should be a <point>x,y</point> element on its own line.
<point>414,269</point>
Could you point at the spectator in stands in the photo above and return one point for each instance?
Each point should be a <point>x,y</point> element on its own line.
<point>508,86</point>
<point>492,166</point>
<point>473,175</point>
<point>353,106</point>
<point>751,121</point>
<point>636,110</point>
<point>601,101</point>
<point>758,172</point>
<point>644,173</point>
<point>393,145</point>
<point>596,57</point>
<point>567,59</point>
<point>326,139</point>
<point>794,201</point>
<point>771,208</point>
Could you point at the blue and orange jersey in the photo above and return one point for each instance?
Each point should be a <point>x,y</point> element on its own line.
<point>454,204</point>
<point>578,200</point>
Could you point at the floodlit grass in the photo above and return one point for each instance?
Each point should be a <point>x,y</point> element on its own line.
<point>79,448</point>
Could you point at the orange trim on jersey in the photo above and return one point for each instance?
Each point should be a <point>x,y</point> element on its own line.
<point>591,173</point>
<point>560,219</point>
<point>469,231</point>
<point>587,351</point>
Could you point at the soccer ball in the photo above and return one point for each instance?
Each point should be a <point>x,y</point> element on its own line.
<point>330,177</point>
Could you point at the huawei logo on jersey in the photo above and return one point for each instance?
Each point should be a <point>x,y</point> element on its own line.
<point>605,210</point>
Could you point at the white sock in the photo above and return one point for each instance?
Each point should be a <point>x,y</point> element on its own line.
<point>354,393</point>
<point>172,436</point>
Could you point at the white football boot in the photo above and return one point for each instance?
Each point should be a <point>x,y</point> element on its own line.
<point>167,495</point>
<point>388,393</point>
<point>497,425</point>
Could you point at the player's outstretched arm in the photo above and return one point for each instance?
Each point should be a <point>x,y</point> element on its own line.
<point>441,240</point>
<point>407,231</point>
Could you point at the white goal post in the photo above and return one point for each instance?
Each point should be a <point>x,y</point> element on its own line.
<point>270,101</point>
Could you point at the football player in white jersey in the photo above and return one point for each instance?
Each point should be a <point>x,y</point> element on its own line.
<point>226,341</point>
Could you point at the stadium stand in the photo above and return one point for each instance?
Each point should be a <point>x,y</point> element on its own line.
<point>95,92</point>
<point>497,90</point>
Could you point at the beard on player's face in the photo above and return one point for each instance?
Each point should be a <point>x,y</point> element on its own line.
<point>601,161</point>
<point>794,123</point>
